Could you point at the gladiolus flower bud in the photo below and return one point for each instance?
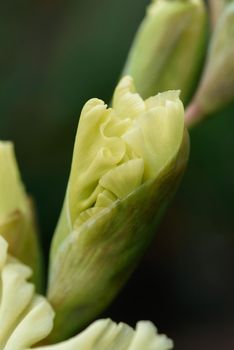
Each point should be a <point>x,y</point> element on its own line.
<point>127,163</point>
<point>169,47</point>
<point>217,85</point>
<point>17,218</point>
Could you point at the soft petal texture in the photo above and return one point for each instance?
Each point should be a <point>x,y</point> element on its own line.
<point>127,103</point>
<point>25,318</point>
<point>105,199</point>
<point>123,179</point>
<point>87,214</point>
<point>34,327</point>
<point>96,152</point>
<point>107,335</point>
<point>145,338</point>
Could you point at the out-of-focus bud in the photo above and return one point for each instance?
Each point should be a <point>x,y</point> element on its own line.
<point>27,318</point>
<point>127,163</point>
<point>17,221</point>
<point>216,7</point>
<point>169,48</point>
<point>217,84</point>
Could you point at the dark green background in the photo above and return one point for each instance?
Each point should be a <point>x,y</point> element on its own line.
<point>54,55</point>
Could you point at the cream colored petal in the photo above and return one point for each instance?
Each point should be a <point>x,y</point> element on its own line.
<point>25,318</point>
<point>107,335</point>
<point>125,178</point>
<point>157,135</point>
<point>160,99</point>
<point>126,102</point>
<point>116,126</point>
<point>86,215</point>
<point>96,151</point>
<point>36,324</point>
<point>100,335</point>
<point>146,338</point>
<point>16,295</point>
<point>105,199</point>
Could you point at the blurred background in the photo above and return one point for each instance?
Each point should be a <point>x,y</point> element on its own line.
<point>54,56</point>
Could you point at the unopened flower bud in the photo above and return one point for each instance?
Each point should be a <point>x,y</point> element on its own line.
<point>17,218</point>
<point>217,84</point>
<point>216,7</point>
<point>127,163</point>
<point>169,47</point>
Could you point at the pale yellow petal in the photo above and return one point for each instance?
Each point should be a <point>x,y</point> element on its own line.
<point>107,335</point>
<point>86,215</point>
<point>125,178</point>
<point>96,151</point>
<point>25,318</point>
<point>147,338</point>
<point>34,327</point>
<point>126,102</point>
<point>105,199</point>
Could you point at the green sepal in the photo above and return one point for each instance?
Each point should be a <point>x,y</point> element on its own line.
<point>95,260</point>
